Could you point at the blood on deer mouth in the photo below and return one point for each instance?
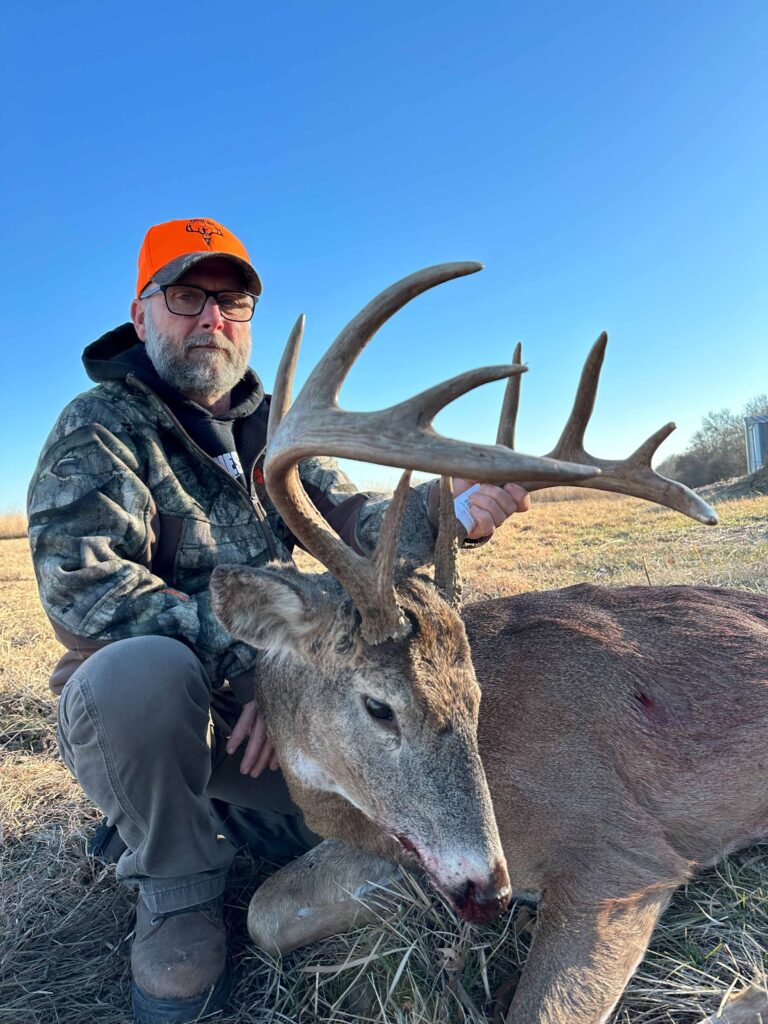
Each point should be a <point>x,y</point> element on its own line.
<point>408,846</point>
<point>478,905</point>
<point>475,903</point>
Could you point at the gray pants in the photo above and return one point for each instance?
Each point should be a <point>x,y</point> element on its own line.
<point>136,728</point>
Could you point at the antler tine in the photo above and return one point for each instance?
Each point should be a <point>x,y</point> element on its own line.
<point>511,403</point>
<point>447,577</point>
<point>646,451</point>
<point>634,475</point>
<point>281,393</point>
<point>398,436</point>
<point>384,556</point>
<point>324,383</point>
<point>422,408</point>
<point>641,481</point>
<point>572,437</point>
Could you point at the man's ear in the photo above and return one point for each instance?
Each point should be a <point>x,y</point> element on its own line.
<point>275,609</point>
<point>138,316</point>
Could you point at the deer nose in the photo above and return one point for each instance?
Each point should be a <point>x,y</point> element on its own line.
<point>479,902</point>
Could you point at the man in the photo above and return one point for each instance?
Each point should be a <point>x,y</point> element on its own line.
<point>146,483</point>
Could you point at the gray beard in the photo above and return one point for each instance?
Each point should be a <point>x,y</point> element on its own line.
<point>207,375</point>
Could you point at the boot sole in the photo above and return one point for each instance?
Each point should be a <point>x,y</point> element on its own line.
<point>151,1010</point>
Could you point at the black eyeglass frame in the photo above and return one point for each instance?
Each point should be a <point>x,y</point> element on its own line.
<point>208,295</point>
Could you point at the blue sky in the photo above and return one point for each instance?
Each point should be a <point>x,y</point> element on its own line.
<point>606,161</point>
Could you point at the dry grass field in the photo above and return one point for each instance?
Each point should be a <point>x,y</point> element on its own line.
<point>65,926</point>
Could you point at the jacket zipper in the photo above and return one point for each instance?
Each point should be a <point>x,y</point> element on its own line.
<point>252,498</point>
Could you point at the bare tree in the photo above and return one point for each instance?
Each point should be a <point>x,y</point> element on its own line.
<point>717,450</point>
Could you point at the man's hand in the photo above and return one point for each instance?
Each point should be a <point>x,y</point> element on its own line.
<point>259,752</point>
<point>491,505</point>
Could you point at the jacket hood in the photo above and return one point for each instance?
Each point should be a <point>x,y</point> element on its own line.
<point>105,359</point>
<point>119,352</point>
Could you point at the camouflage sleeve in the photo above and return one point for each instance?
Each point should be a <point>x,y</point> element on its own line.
<point>334,494</point>
<point>90,529</point>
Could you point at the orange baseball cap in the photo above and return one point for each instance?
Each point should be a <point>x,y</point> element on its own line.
<point>170,249</point>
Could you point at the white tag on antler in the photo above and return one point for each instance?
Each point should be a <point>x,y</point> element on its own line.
<point>461,504</point>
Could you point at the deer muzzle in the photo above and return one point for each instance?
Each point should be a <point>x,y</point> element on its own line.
<point>478,893</point>
<point>444,819</point>
<point>480,902</point>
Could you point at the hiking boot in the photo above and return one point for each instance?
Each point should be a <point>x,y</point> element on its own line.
<point>179,964</point>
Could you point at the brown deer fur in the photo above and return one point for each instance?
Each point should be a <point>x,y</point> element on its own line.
<point>624,735</point>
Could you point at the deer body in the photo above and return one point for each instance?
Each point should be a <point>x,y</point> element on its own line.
<point>624,735</point>
<point>642,703</point>
<point>622,732</point>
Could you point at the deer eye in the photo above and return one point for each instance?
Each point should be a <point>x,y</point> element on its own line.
<point>377,709</point>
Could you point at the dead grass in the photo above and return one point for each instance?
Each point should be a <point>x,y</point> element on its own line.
<point>65,926</point>
<point>573,494</point>
<point>12,524</point>
<point>622,542</point>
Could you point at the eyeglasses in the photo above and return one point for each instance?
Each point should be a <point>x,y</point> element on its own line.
<point>189,300</point>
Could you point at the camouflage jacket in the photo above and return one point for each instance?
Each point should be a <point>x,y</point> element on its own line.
<point>128,517</point>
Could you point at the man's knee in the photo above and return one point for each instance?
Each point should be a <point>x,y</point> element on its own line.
<point>146,682</point>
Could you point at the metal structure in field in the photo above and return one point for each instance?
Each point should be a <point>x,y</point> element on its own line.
<point>756,437</point>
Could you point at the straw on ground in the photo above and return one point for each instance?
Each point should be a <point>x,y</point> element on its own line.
<point>65,926</point>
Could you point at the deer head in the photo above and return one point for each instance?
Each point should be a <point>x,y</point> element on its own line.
<point>367,684</point>
<point>387,729</point>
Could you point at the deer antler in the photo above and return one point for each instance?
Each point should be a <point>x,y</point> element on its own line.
<point>401,435</point>
<point>449,532</point>
<point>632,475</point>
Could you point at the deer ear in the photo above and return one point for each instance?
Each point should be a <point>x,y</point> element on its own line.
<point>274,609</point>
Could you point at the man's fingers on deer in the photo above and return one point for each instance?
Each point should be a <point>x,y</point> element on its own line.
<point>255,745</point>
<point>265,758</point>
<point>242,726</point>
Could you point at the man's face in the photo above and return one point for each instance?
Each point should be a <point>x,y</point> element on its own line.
<point>201,356</point>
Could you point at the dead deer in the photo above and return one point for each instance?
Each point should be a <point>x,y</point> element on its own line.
<point>621,732</point>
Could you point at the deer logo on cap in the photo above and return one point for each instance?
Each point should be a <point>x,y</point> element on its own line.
<point>204,227</point>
